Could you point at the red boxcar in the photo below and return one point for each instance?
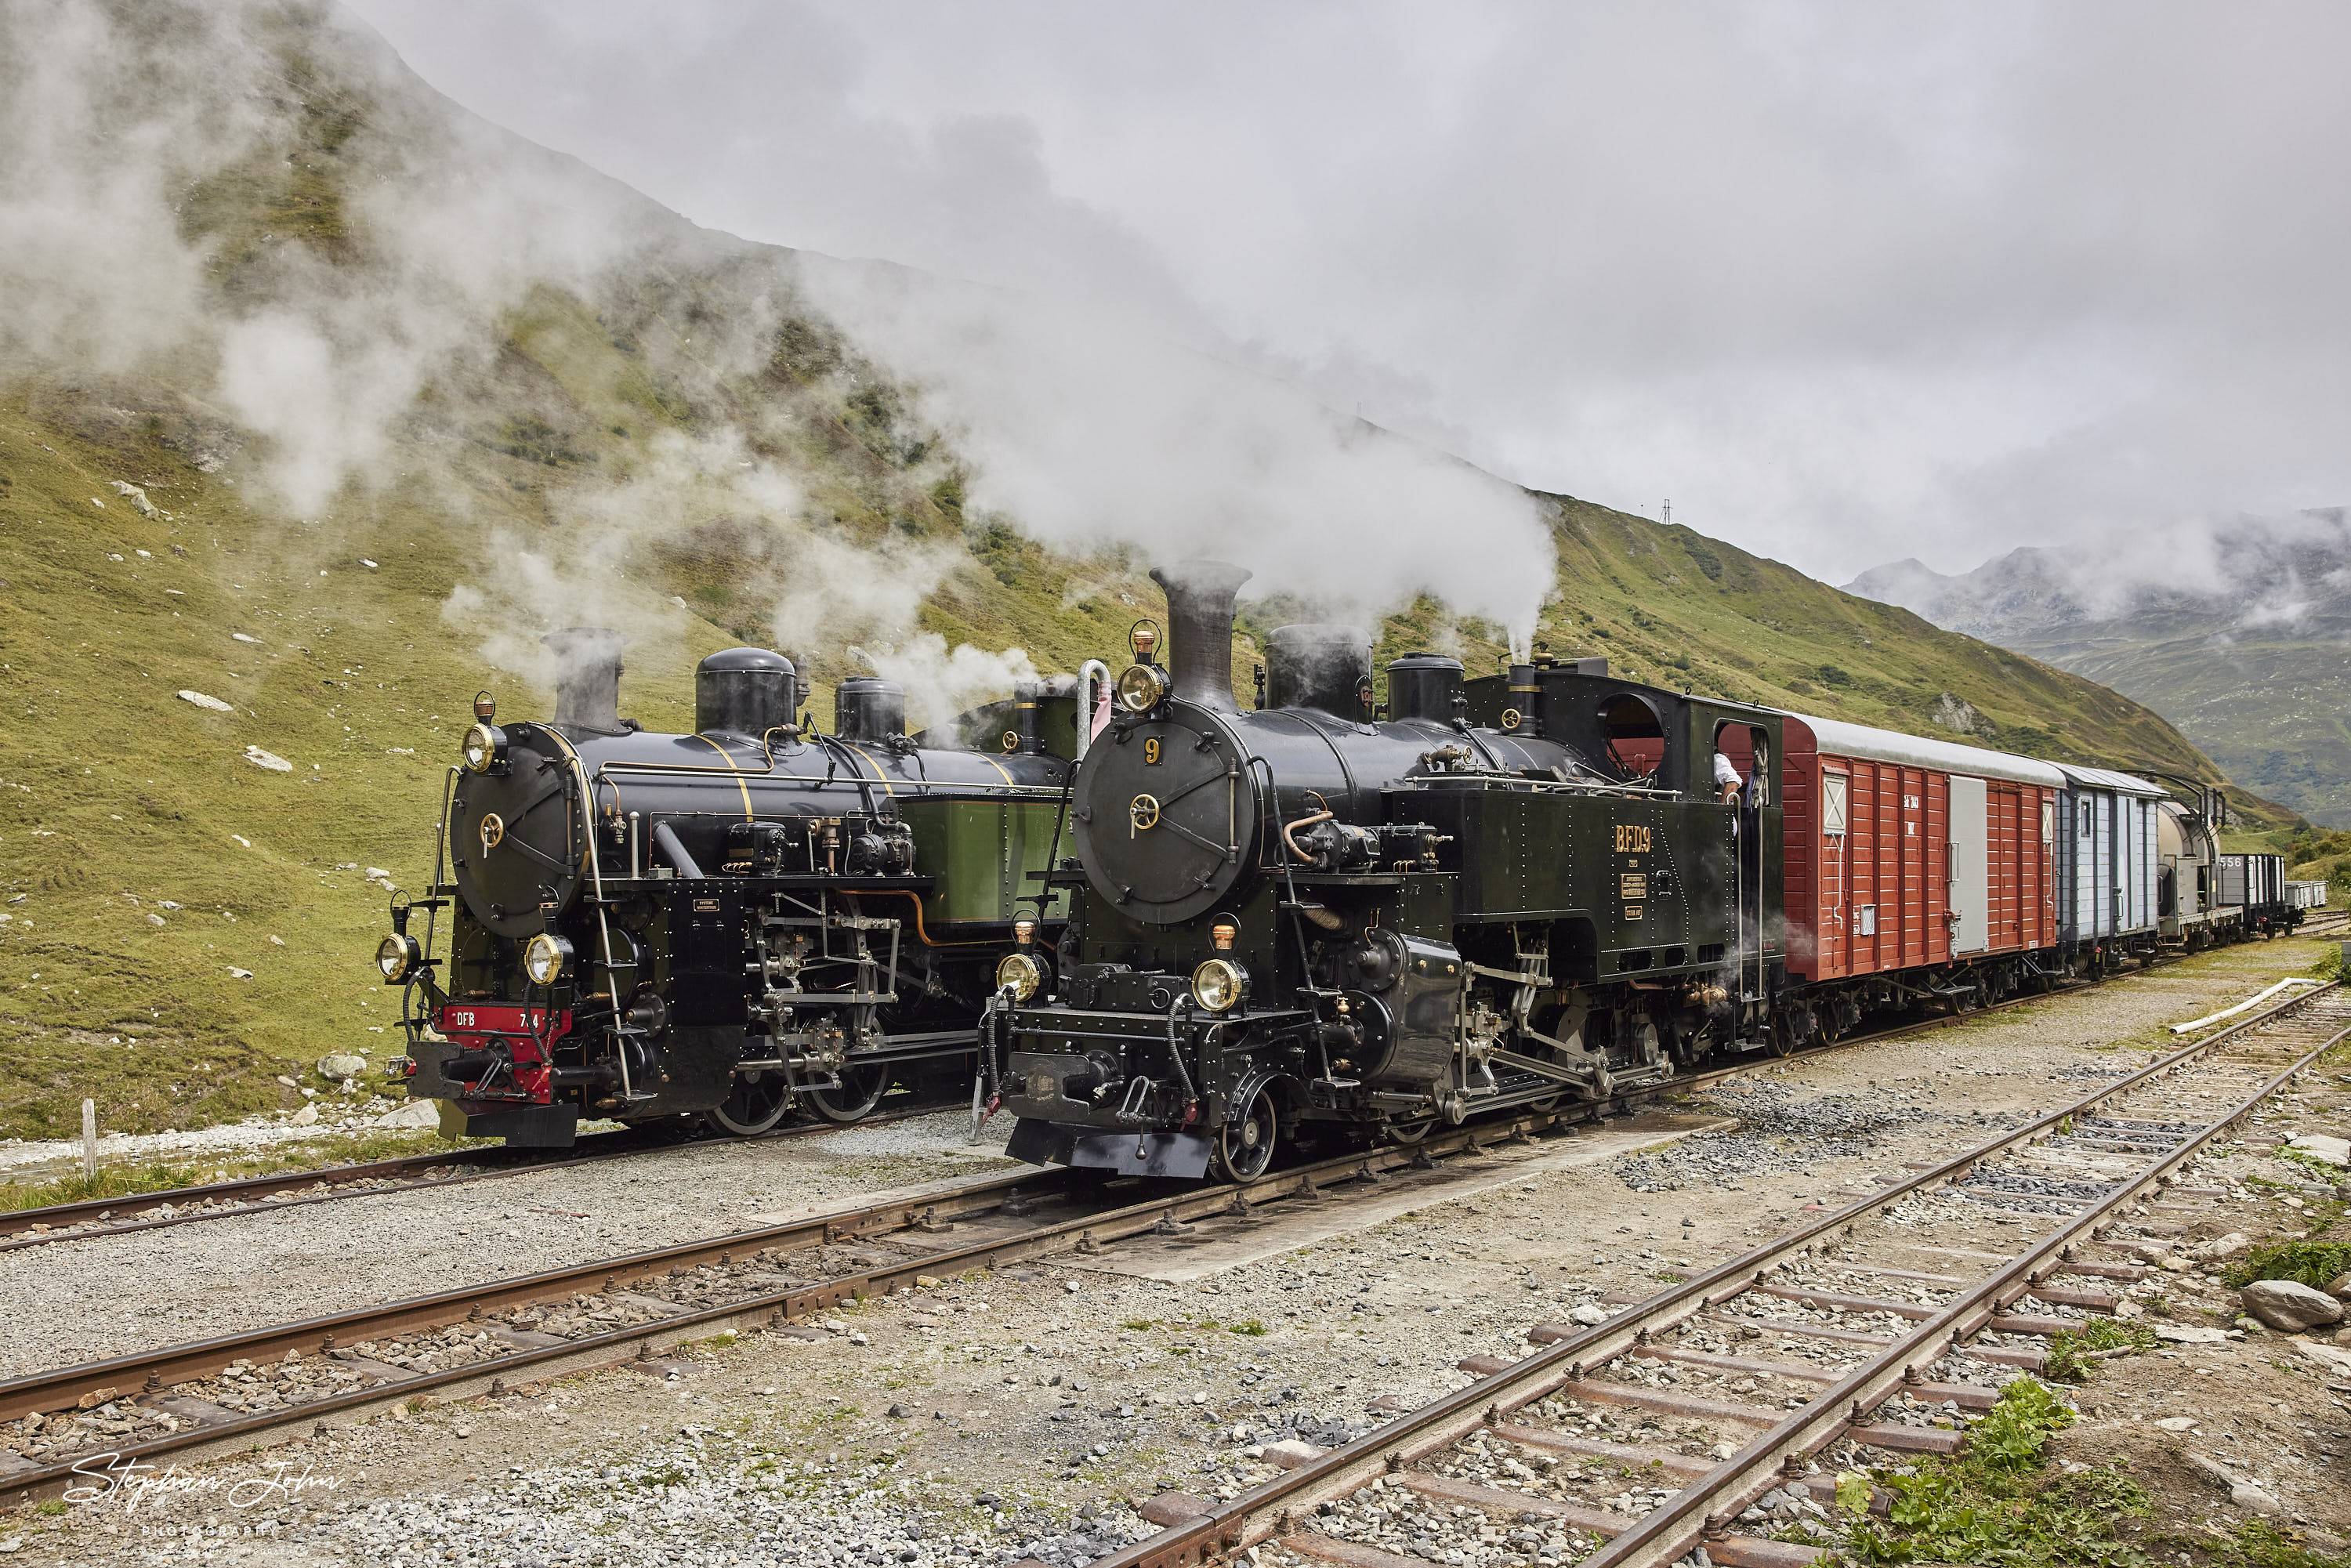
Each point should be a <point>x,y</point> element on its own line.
<point>1903,851</point>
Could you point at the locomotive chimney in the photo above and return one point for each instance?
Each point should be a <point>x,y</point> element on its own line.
<point>1200,599</point>
<point>587,678</point>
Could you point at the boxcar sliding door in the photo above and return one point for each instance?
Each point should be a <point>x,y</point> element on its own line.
<point>1970,867</point>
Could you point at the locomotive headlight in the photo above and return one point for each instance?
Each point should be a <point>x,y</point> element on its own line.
<point>396,955</point>
<point>546,958</point>
<point>484,745</point>
<point>1021,974</point>
<point>1142,687</point>
<point>1219,984</point>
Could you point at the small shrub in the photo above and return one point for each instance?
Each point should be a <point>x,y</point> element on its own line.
<point>2012,1433</point>
<point>2312,1263</point>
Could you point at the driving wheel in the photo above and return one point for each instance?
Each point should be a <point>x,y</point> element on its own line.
<point>860,1090</point>
<point>1245,1144</point>
<point>754,1103</point>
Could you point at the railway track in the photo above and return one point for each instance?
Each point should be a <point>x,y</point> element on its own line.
<point>225,1393</point>
<point>191,1399</point>
<point>1859,1337</point>
<point>187,1400</point>
<point>286,1189</point>
<point>407,1172</point>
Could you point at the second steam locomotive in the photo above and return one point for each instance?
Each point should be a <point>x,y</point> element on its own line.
<point>727,925</point>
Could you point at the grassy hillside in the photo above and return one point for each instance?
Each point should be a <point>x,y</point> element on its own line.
<point>183,924</point>
<point>1689,612</point>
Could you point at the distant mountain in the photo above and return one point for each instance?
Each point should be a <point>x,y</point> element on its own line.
<point>2238,630</point>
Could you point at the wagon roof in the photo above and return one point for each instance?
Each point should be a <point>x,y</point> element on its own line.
<point>1838,738</point>
<point>2107,779</point>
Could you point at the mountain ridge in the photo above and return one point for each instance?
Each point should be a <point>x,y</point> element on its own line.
<point>2245,643</point>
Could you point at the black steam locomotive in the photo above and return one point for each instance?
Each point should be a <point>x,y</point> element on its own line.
<point>1497,891</point>
<point>725,924</point>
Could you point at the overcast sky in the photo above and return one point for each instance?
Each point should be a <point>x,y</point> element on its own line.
<point>1846,282</point>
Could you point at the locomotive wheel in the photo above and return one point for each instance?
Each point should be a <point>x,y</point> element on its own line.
<point>1245,1144</point>
<point>1410,1132</point>
<point>1542,1104</point>
<point>755,1102</point>
<point>860,1090</point>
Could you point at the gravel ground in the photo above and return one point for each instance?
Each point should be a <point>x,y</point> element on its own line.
<point>196,1281</point>
<point>982,1418</point>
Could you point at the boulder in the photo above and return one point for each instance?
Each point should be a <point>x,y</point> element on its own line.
<point>2290,1305</point>
<point>341,1065</point>
<point>415,1113</point>
<point>1590,1314</point>
<point>308,1116</point>
<point>2339,1287</point>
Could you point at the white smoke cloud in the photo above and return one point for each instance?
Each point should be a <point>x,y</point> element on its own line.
<point>93,163</point>
<point>942,682</point>
<point>1092,432</point>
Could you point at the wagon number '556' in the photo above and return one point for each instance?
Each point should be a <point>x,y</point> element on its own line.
<point>1632,839</point>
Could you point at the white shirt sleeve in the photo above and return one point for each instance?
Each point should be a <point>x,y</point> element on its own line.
<point>1724,773</point>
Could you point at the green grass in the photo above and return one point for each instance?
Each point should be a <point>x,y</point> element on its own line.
<point>2069,1351</point>
<point>2260,1544</point>
<point>1993,1503</point>
<point>2312,1263</point>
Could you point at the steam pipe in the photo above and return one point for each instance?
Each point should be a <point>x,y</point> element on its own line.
<point>665,839</point>
<point>1026,695</point>
<point>1094,675</point>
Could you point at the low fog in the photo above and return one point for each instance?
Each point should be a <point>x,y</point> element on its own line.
<point>1844,283</point>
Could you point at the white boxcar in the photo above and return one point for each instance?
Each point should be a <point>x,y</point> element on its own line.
<point>2107,862</point>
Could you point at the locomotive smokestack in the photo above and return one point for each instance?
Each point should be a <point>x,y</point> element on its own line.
<point>1200,599</point>
<point>587,678</point>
